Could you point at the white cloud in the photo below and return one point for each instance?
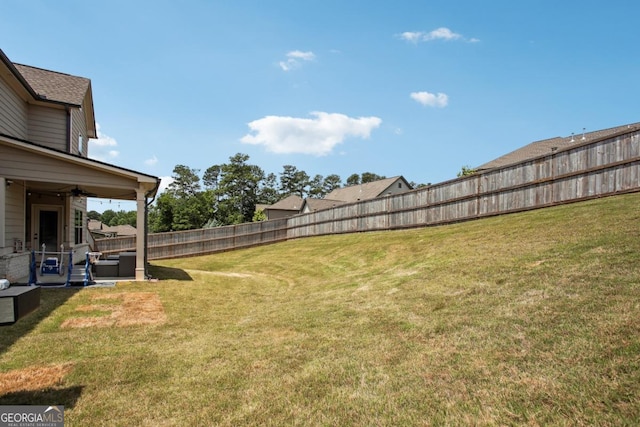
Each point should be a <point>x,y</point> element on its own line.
<point>430,99</point>
<point>152,161</point>
<point>411,36</point>
<point>102,147</point>
<point>306,56</point>
<point>317,135</point>
<point>295,58</point>
<point>441,33</point>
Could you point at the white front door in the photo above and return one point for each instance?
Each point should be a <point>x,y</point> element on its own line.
<point>46,223</point>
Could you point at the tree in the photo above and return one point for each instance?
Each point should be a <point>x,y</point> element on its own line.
<point>293,181</point>
<point>183,206</point>
<point>330,183</point>
<point>466,170</point>
<point>211,176</point>
<point>161,213</point>
<point>186,182</point>
<point>354,179</point>
<point>268,191</point>
<point>95,215</point>
<point>259,215</point>
<point>237,191</point>
<point>107,216</point>
<point>316,187</point>
<point>124,218</point>
<point>370,177</point>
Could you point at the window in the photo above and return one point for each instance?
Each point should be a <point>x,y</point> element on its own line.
<point>78,226</point>
<point>80,144</point>
<point>399,185</point>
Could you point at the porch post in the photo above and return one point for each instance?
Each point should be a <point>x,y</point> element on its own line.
<point>3,183</point>
<point>141,232</point>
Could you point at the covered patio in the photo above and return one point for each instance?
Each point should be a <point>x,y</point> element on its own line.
<point>43,201</point>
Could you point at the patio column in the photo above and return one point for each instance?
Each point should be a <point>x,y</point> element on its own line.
<point>140,233</point>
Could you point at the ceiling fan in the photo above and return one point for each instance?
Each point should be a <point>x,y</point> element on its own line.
<point>77,192</point>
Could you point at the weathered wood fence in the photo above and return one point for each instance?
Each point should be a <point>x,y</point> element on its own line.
<point>595,169</point>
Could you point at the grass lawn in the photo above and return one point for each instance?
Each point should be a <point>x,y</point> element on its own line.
<point>530,318</point>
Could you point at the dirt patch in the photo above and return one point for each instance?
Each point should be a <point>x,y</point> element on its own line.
<point>122,309</point>
<point>537,263</point>
<point>33,378</point>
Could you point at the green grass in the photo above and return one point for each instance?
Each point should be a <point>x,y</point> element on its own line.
<point>530,318</point>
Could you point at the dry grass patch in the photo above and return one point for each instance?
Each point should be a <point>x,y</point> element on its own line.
<point>130,308</point>
<point>33,378</point>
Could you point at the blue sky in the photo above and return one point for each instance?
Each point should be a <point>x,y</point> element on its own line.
<point>412,88</point>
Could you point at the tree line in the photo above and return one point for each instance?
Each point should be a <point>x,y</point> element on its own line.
<point>228,193</point>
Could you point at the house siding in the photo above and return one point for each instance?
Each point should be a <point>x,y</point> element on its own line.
<point>75,203</point>
<point>13,112</point>
<point>78,127</point>
<point>394,189</point>
<point>48,127</point>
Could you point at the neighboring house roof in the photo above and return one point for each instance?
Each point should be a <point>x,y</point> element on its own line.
<point>367,191</point>
<point>291,203</point>
<point>55,86</point>
<point>547,146</point>
<point>123,230</point>
<point>312,205</point>
<point>94,224</point>
<point>98,227</point>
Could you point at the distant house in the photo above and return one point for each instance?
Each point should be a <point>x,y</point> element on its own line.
<point>548,146</point>
<point>286,207</point>
<point>370,190</point>
<point>355,193</point>
<point>100,230</point>
<point>312,205</point>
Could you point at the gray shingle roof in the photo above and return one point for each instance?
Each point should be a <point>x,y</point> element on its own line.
<point>546,146</point>
<point>55,86</point>
<point>320,204</point>
<point>367,191</point>
<point>291,203</point>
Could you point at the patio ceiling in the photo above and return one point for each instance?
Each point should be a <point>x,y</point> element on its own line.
<point>51,172</point>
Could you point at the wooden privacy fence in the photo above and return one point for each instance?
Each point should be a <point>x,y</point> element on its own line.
<point>595,169</point>
<point>202,241</point>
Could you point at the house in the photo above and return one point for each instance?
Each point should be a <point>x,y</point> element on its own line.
<point>370,190</point>
<point>313,205</point>
<point>46,121</point>
<point>286,207</point>
<point>100,230</point>
<point>548,146</point>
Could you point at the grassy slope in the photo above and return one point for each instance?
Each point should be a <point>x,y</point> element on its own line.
<point>529,318</point>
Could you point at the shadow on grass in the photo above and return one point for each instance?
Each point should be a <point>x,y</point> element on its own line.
<point>169,273</point>
<point>50,299</point>
<point>51,396</point>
